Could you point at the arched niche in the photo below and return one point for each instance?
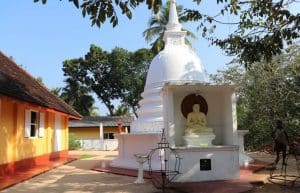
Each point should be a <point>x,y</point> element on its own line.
<point>188,102</point>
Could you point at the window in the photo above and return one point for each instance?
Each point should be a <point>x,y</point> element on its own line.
<point>109,136</point>
<point>34,123</point>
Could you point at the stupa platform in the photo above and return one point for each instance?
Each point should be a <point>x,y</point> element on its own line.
<point>207,163</point>
<point>248,177</point>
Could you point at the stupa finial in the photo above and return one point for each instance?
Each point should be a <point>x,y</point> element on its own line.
<point>173,23</point>
<point>173,34</point>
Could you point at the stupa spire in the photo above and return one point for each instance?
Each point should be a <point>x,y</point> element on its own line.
<point>173,34</point>
<point>173,23</point>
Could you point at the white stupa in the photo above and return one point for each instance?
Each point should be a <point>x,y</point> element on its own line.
<point>176,78</point>
<point>176,63</point>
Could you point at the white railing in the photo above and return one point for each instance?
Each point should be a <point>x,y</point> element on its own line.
<point>97,144</point>
<point>146,127</point>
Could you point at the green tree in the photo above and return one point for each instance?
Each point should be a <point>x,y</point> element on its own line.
<point>40,80</point>
<point>115,75</point>
<point>135,78</point>
<point>121,110</point>
<point>268,92</point>
<point>93,111</point>
<point>157,26</point>
<point>78,97</point>
<point>56,91</point>
<point>101,10</point>
<point>104,74</point>
<point>74,92</point>
<point>263,27</point>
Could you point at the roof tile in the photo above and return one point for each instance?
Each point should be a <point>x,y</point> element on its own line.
<point>17,83</point>
<point>105,120</point>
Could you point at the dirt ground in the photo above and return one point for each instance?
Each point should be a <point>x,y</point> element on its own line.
<point>77,177</point>
<point>276,185</point>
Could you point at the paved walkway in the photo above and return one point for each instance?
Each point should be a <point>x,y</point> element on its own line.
<point>28,173</point>
<point>77,177</point>
<point>247,178</point>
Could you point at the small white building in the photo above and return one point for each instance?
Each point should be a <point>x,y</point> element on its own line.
<point>98,133</point>
<point>177,75</point>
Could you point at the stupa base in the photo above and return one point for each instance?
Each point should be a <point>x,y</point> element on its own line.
<point>207,163</point>
<point>199,140</point>
<point>135,143</point>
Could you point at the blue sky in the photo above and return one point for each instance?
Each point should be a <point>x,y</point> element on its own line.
<point>39,37</point>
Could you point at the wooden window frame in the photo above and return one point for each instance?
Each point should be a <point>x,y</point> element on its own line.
<point>34,124</point>
<point>39,125</point>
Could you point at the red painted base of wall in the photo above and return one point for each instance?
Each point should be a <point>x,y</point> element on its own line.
<point>21,165</point>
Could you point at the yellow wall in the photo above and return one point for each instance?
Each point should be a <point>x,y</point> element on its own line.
<point>6,132</point>
<point>13,145</point>
<point>91,132</point>
<point>85,133</point>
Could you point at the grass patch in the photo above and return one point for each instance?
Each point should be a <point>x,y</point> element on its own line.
<point>86,156</point>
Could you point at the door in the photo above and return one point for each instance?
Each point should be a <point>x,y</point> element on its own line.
<point>57,134</point>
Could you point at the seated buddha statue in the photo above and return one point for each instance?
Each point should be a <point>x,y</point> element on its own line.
<point>196,122</point>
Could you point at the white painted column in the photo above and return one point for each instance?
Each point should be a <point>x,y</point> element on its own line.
<point>168,112</point>
<point>101,136</point>
<point>229,115</point>
<point>244,159</point>
<point>234,119</point>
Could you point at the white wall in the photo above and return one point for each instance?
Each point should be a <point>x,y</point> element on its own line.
<point>130,144</point>
<point>224,164</point>
<point>96,144</point>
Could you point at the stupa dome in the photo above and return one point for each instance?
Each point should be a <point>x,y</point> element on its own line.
<point>176,63</point>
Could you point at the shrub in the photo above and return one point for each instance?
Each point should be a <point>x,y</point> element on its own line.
<point>74,142</point>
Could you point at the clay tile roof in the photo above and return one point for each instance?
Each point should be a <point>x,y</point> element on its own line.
<point>17,83</point>
<point>111,121</point>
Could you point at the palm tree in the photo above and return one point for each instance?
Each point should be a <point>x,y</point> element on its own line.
<point>157,25</point>
<point>78,96</point>
<point>121,110</point>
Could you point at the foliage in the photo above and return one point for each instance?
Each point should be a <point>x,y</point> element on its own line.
<point>74,143</point>
<point>98,74</point>
<point>40,80</point>
<point>77,96</point>
<point>157,26</point>
<point>268,92</point>
<point>135,78</point>
<point>102,10</point>
<point>263,27</point>
<point>114,75</point>
<point>121,110</point>
<point>56,91</point>
<point>93,112</point>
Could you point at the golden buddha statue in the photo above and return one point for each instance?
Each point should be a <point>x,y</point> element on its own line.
<point>196,122</point>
